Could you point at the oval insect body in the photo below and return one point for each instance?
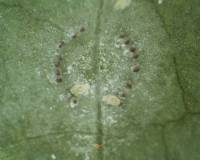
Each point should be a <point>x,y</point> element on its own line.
<point>111,100</point>
<point>80,89</point>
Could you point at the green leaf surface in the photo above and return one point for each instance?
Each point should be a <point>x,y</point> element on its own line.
<point>158,115</point>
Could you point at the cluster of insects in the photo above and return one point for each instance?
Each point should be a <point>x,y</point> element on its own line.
<point>124,92</point>
<point>77,34</point>
<point>58,70</point>
<point>81,89</point>
<point>76,89</point>
<point>72,36</point>
<point>126,43</point>
<point>134,54</point>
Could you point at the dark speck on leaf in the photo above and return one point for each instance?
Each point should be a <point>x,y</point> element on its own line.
<point>123,95</point>
<point>129,84</point>
<point>58,61</point>
<point>58,71</point>
<point>101,67</point>
<point>136,67</point>
<point>61,44</point>
<point>127,42</point>
<point>82,29</point>
<point>125,92</point>
<point>75,101</point>
<point>135,55</point>
<point>59,79</point>
<point>57,64</point>
<point>121,104</point>
<point>74,36</point>
<point>124,35</point>
<point>132,49</point>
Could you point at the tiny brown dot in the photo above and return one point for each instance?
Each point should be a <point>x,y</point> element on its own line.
<point>82,29</point>
<point>125,92</point>
<point>127,42</point>
<point>121,104</point>
<point>57,64</point>
<point>75,101</point>
<point>101,67</point>
<point>123,35</point>
<point>59,79</point>
<point>58,71</point>
<point>61,44</point>
<point>132,49</point>
<point>74,35</point>
<point>123,95</point>
<point>129,84</point>
<point>59,58</point>
<point>136,68</point>
<point>135,55</point>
